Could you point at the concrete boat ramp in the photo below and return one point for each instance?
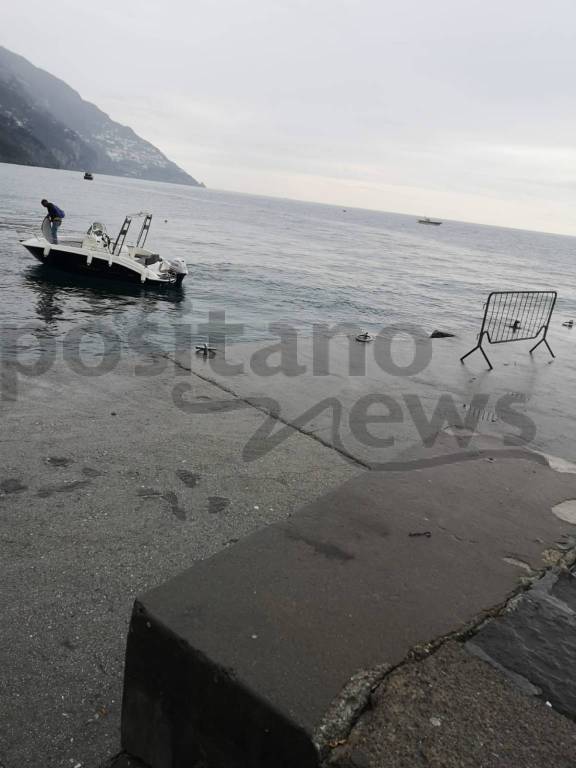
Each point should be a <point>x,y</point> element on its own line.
<point>373,401</point>
<point>294,606</point>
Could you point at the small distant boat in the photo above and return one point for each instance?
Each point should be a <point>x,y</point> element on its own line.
<point>88,176</point>
<point>426,220</point>
<point>97,254</point>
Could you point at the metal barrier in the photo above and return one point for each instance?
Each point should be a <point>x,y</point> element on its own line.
<point>515,316</point>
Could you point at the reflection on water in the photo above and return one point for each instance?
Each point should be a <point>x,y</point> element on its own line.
<point>48,307</point>
<point>61,299</point>
<point>102,296</point>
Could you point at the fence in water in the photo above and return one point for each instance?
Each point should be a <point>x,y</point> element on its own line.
<point>515,316</point>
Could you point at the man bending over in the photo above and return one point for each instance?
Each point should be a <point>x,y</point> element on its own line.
<point>55,215</point>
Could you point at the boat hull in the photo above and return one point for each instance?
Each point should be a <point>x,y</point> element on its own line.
<point>75,264</point>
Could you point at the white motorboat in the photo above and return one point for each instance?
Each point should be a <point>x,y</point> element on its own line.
<point>96,254</point>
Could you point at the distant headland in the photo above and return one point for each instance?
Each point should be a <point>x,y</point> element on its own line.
<point>44,122</point>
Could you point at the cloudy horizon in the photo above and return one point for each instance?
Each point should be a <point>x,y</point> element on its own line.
<point>457,110</point>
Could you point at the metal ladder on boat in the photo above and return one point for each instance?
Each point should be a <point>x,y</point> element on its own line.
<point>143,234</point>
<point>122,235</point>
<point>144,231</point>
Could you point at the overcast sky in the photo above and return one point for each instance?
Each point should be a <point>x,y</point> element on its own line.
<point>461,109</point>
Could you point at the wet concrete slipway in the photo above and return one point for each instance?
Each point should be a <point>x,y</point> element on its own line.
<point>313,584</point>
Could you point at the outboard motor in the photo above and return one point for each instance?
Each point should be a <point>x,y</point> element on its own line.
<point>178,266</point>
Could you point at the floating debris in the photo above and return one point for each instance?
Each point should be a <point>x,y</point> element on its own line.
<point>205,350</point>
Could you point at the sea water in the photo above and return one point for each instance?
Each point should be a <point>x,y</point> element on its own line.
<point>263,261</point>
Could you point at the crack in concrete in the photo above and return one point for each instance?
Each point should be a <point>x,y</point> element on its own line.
<point>251,403</point>
<point>346,709</point>
<point>354,700</point>
<point>393,465</point>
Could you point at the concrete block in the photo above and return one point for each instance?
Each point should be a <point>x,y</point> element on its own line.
<point>241,658</point>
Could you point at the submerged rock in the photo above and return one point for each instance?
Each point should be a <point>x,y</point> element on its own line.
<point>441,335</point>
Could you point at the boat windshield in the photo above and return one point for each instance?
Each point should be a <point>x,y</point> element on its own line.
<point>97,229</point>
<point>97,233</point>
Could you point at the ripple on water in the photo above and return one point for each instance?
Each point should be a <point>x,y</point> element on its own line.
<point>267,260</point>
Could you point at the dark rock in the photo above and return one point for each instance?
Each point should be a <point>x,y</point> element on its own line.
<point>454,711</point>
<point>565,589</point>
<point>536,639</point>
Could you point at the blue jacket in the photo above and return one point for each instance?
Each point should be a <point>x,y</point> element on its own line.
<point>54,212</point>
